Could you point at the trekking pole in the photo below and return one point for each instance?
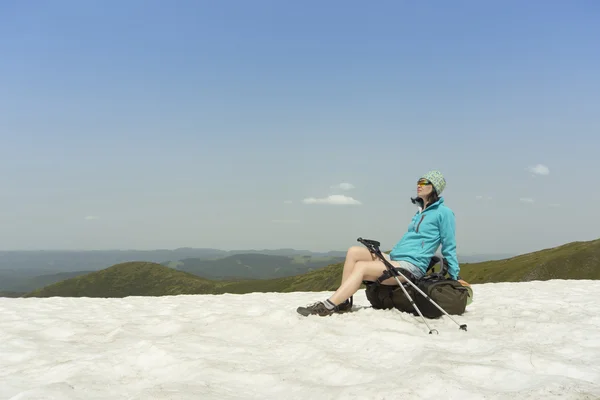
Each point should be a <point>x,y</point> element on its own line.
<point>373,247</point>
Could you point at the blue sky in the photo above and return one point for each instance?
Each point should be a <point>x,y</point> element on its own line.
<point>153,124</point>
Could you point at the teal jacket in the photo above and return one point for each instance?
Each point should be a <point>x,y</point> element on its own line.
<point>427,230</point>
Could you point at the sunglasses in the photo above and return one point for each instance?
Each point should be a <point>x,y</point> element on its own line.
<point>423,182</point>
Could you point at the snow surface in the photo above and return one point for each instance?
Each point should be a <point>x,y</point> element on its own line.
<point>534,340</point>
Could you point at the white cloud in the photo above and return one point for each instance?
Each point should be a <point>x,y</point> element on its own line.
<point>343,186</point>
<point>335,199</point>
<point>526,200</point>
<point>91,218</point>
<point>539,170</point>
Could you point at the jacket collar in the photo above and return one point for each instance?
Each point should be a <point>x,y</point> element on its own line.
<point>419,202</point>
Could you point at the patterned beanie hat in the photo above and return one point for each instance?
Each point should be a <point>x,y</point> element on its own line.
<point>437,180</point>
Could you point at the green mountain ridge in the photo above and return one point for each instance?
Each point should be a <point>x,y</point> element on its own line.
<point>24,271</point>
<point>6,293</point>
<point>233,267</point>
<point>29,284</point>
<point>129,279</point>
<point>73,260</point>
<point>252,266</point>
<point>576,260</point>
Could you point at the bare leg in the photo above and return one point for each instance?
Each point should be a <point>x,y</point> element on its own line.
<point>362,270</point>
<point>354,255</point>
<point>360,265</point>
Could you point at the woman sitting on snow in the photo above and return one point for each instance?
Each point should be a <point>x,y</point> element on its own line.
<point>432,225</point>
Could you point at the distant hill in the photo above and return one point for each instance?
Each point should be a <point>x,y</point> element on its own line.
<point>152,279</point>
<point>20,269</point>
<point>252,266</point>
<point>475,258</point>
<point>577,260</point>
<point>328,278</point>
<point>28,284</point>
<point>10,294</point>
<point>23,271</point>
<point>129,279</point>
<point>54,261</point>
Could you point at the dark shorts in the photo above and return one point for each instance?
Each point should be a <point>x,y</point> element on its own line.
<point>407,268</point>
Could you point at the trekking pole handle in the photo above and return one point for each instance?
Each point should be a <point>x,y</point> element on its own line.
<point>372,245</point>
<point>369,242</point>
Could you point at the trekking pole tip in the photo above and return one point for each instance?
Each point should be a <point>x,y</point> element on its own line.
<point>463,327</point>
<point>434,330</point>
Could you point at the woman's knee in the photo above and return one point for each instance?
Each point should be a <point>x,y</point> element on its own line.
<point>358,253</point>
<point>370,268</point>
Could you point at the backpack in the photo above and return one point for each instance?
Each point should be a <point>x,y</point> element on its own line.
<point>451,295</point>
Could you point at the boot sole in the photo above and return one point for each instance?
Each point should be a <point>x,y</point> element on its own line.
<point>306,312</point>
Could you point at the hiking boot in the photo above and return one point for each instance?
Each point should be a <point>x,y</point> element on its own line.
<point>345,306</point>
<point>317,308</point>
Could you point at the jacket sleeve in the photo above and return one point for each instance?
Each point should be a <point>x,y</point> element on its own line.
<point>448,241</point>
